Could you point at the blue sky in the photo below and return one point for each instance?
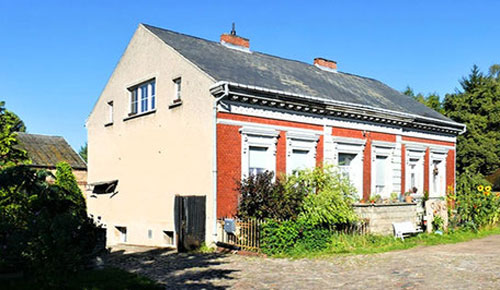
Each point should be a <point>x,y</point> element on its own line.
<point>56,56</point>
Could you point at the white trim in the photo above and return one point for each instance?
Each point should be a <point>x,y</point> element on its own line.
<point>235,47</point>
<point>259,131</point>
<point>348,140</point>
<point>385,144</point>
<point>268,113</point>
<point>351,146</point>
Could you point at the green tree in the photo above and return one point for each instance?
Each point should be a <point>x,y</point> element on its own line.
<point>478,106</point>
<point>83,151</point>
<point>431,100</point>
<point>10,154</point>
<point>67,181</point>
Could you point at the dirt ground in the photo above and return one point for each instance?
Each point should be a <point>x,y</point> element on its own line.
<point>469,265</point>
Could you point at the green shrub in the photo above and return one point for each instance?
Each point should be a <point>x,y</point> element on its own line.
<point>278,237</point>
<point>261,197</point>
<point>44,231</point>
<point>329,199</point>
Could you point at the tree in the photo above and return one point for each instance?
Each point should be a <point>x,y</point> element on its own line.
<point>67,181</point>
<point>477,106</point>
<point>83,151</point>
<point>432,100</point>
<point>10,154</point>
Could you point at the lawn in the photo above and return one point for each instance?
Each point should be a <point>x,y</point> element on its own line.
<point>372,244</point>
<point>109,278</point>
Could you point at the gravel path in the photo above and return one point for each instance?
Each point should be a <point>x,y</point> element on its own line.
<point>474,264</point>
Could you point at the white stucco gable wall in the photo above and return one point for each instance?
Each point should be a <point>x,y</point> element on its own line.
<point>155,156</point>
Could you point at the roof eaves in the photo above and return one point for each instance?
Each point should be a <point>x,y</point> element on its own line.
<point>214,87</point>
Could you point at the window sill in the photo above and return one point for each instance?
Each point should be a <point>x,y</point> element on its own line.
<point>108,124</point>
<point>139,115</point>
<point>176,103</point>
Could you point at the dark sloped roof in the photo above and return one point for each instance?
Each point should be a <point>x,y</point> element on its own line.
<point>271,72</point>
<point>47,151</point>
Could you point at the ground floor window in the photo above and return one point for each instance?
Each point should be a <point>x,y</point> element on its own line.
<point>301,151</point>
<point>381,174</point>
<point>259,160</point>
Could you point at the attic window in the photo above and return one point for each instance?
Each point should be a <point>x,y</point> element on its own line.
<point>143,97</point>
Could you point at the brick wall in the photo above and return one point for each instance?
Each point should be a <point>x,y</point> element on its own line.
<point>229,156</point>
<point>228,169</point>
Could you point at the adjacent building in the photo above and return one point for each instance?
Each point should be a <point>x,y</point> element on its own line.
<point>45,152</point>
<point>184,116</point>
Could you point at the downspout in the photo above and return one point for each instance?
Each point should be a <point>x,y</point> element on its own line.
<point>214,170</point>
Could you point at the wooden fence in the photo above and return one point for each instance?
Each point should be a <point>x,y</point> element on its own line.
<point>247,233</point>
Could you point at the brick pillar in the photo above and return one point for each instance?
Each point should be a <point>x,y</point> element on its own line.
<point>319,152</point>
<point>426,169</point>
<point>281,154</point>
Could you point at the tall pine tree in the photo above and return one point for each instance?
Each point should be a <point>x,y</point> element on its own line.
<point>478,106</point>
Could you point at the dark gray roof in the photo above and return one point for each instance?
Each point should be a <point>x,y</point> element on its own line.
<point>271,72</point>
<point>47,151</point>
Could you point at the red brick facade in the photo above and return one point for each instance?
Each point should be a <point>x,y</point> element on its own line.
<point>229,156</point>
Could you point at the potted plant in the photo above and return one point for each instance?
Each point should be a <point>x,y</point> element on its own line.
<point>408,197</point>
<point>394,197</point>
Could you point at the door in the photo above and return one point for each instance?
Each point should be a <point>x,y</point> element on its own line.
<point>190,221</point>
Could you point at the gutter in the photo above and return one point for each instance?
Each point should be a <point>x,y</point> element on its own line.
<point>215,89</point>
<point>225,93</point>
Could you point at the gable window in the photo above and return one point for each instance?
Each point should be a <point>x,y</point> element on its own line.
<point>143,98</point>
<point>110,113</point>
<point>177,91</point>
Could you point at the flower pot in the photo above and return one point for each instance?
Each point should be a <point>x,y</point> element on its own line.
<point>408,199</point>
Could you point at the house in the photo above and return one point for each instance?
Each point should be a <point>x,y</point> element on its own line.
<point>45,152</point>
<point>187,117</point>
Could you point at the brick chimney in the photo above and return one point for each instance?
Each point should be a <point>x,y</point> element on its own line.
<point>325,64</point>
<point>234,41</point>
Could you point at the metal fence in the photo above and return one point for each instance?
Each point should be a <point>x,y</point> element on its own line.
<point>247,233</point>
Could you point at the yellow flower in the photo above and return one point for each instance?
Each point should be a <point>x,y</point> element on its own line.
<point>487,188</point>
<point>480,187</point>
<point>486,193</point>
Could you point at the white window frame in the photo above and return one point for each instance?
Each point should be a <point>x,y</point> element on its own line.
<point>177,89</point>
<point>415,152</point>
<point>150,100</point>
<point>381,148</point>
<point>257,137</point>
<point>351,146</point>
<point>437,154</point>
<point>301,141</point>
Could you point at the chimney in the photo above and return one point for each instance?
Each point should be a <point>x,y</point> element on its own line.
<point>325,64</point>
<point>234,41</point>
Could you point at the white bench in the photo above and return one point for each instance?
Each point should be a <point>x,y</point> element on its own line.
<point>403,229</point>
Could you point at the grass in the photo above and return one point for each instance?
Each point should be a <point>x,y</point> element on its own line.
<point>343,244</point>
<point>108,278</point>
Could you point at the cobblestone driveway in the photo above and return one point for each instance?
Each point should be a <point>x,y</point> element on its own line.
<point>474,264</point>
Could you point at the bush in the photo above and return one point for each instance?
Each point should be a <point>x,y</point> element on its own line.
<point>329,199</point>
<point>473,208</point>
<point>262,198</point>
<point>44,231</point>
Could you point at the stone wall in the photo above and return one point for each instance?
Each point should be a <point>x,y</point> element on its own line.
<point>381,216</point>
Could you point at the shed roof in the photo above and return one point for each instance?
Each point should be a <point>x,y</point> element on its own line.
<point>47,151</point>
<point>276,73</point>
